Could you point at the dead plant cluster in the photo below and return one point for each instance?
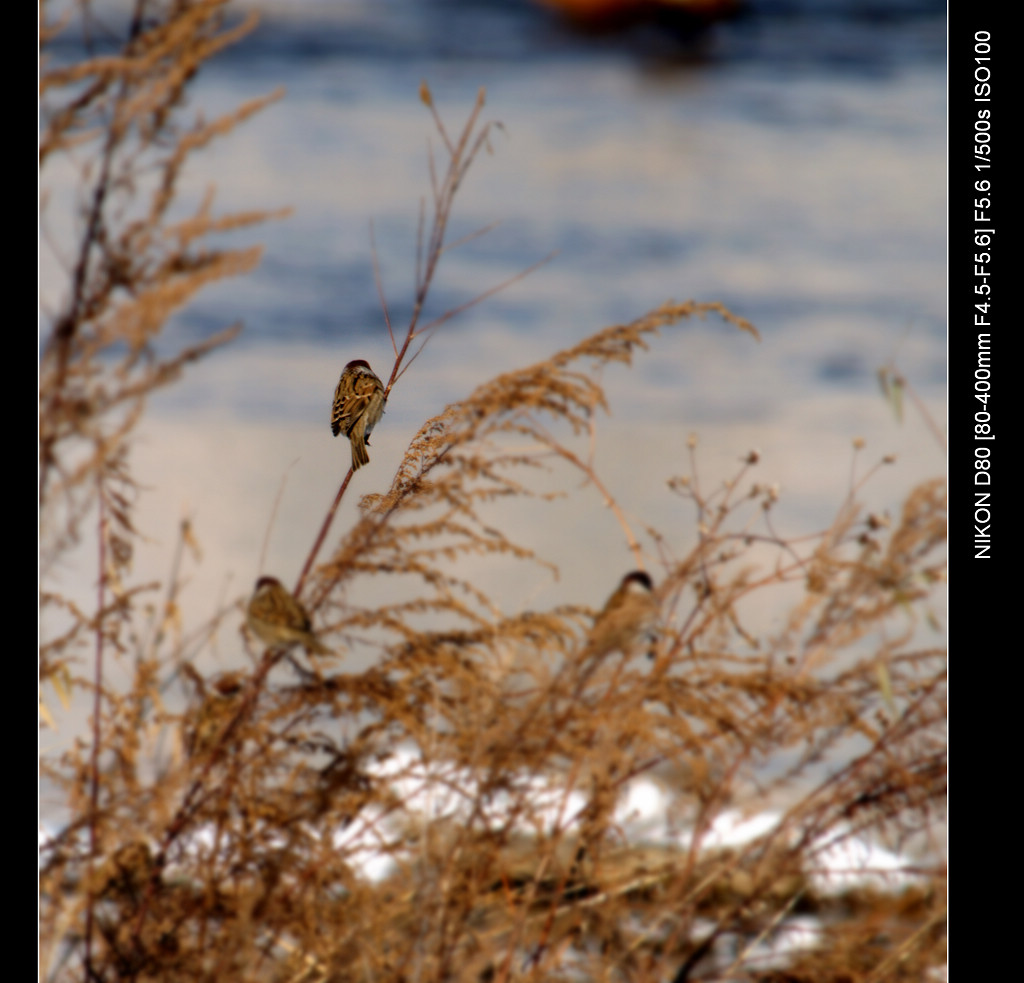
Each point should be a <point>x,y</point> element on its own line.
<point>489,800</point>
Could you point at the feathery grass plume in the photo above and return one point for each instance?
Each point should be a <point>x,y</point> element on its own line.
<point>117,123</point>
<point>484,802</point>
<point>493,700</point>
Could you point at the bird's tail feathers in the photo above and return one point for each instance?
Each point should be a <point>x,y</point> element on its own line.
<point>359,454</point>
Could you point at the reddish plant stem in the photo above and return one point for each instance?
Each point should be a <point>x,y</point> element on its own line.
<point>322,535</point>
<point>97,706</point>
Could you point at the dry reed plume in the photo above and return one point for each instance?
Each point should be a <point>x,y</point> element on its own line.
<point>461,810</point>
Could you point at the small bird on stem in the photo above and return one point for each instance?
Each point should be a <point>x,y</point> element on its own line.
<point>357,408</point>
<point>219,705</point>
<point>279,620</point>
<point>629,615</point>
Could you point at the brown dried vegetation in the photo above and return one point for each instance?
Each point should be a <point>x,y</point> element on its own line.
<point>480,757</point>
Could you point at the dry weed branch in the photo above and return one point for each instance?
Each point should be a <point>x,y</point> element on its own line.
<point>115,124</point>
<point>429,250</point>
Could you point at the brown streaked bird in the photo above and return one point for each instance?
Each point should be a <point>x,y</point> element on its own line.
<point>279,620</point>
<point>630,615</point>
<point>357,408</point>
<point>206,725</point>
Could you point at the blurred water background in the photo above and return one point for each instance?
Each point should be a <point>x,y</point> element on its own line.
<point>789,162</point>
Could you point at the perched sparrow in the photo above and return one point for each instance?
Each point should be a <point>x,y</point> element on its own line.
<point>630,615</point>
<point>277,619</point>
<point>358,406</point>
<point>205,726</point>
